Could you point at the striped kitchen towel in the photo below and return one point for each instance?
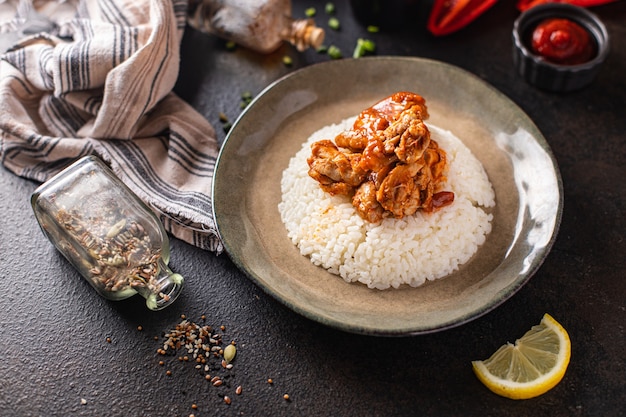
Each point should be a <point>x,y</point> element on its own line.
<point>99,81</point>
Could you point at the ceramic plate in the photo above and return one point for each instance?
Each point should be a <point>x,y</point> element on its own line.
<point>273,128</point>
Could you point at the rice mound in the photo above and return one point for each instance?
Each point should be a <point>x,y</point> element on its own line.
<point>411,250</point>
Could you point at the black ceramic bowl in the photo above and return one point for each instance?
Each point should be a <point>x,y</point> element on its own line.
<point>550,76</point>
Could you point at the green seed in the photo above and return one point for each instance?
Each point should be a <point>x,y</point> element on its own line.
<point>333,23</point>
<point>229,353</point>
<point>329,8</point>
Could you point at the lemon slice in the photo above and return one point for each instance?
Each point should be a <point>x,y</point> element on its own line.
<point>531,367</point>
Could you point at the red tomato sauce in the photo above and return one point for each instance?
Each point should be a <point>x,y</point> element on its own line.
<point>562,41</point>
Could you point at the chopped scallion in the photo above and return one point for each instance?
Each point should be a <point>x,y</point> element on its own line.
<point>334,52</point>
<point>363,47</point>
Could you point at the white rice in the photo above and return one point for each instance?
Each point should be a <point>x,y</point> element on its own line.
<point>393,252</point>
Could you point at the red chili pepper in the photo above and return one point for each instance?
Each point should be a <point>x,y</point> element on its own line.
<point>448,16</point>
<point>523,5</point>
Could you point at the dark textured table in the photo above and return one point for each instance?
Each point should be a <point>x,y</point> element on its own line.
<point>67,352</point>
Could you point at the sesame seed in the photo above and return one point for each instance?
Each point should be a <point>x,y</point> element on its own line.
<point>194,406</point>
<point>238,390</point>
<point>227,399</point>
<point>83,401</point>
<point>168,373</point>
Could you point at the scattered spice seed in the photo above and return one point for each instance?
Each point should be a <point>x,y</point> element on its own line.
<point>310,12</point>
<point>203,347</point>
<point>140,328</point>
<point>333,23</point>
<point>329,8</point>
<point>226,125</point>
<point>194,406</point>
<point>231,46</point>
<point>270,381</point>
<point>373,29</point>
<point>287,61</point>
<point>83,401</point>
<point>238,390</point>
<point>203,317</point>
<point>286,397</point>
<point>108,340</point>
<point>229,353</point>
<point>246,98</point>
<point>227,399</point>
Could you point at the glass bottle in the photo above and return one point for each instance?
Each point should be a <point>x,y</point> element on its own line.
<point>110,236</point>
<point>261,25</point>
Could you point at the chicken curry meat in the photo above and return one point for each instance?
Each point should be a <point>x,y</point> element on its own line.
<point>387,162</point>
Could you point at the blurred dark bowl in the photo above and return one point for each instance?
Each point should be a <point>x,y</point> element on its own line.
<point>547,75</point>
